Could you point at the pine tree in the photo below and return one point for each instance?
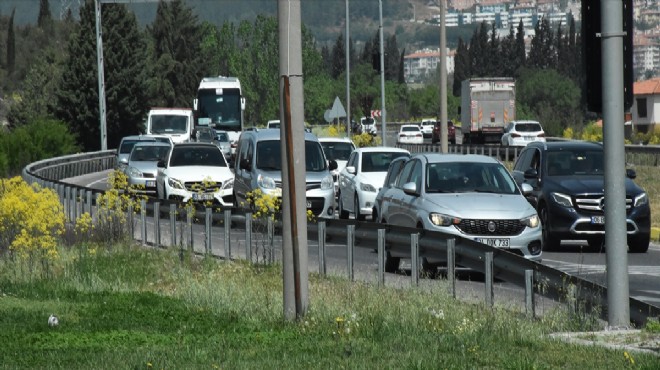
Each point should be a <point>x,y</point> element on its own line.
<point>44,21</point>
<point>519,52</point>
<point>391,59</point>
<point>507,48</point>
<point>338,57</point>
<point>177,59</point>
<point>11,44</point>
<point>496,59</point>
<point>461,66</point>
<point>543,53</point>
<point>124,69</point>
<point>401,79</point>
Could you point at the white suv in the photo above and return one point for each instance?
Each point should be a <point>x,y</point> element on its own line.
<point>197,172</point>
<point>427,127</point>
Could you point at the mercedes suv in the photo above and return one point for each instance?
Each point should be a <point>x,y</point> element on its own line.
<point>567,178</point>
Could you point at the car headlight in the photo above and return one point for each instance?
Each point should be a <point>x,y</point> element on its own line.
<point>367,187</point>
<point>176,184</point>
<point>531,221</point>
<point>133,172</point>
<point>562,199</point>
<point>327,183</point>
<point>229,184</point>
<point>438,219</point>
<point>265,182</point>
<point>641,200</point>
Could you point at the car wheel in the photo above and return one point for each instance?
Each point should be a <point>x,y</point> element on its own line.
<point>356,209</point>
<point>639,243</point>
<point>343,214</point>
<point>549,243</point>
<point>391,263</point>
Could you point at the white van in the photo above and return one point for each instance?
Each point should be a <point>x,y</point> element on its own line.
<point>174,122</point>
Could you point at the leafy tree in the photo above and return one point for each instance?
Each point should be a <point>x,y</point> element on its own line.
<point>177,59</point>
<point>552,99</point>
<point>365,88</point>
<point>124,56</point>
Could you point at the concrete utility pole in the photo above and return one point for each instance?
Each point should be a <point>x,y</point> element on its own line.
<point>348,77</point>
<point>294,211</point>
<point>383,111</point>
<point>101,76</point>
<point>443,79</point>
<point>618,298</point>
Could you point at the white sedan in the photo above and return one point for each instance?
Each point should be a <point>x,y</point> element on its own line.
<point>410,134</point>
<point>197,172</point>
<point>362,177</point>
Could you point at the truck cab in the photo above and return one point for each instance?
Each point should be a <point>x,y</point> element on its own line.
<point>177,123</point>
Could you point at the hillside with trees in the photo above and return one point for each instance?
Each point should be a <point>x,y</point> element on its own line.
<point>48,69</point>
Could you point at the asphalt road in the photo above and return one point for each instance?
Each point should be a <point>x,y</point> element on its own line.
<point>644,269</point>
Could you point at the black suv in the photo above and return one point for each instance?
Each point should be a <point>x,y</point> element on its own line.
<point>568,194</point>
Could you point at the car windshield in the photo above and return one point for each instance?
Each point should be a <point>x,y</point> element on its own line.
<point>197,156</point>
<point>578,162</point>
<point>269,156</point>
<point>205,135</point>
<point>461,177</point>
<point>337,150</point>
<point>528,127</point>
<point>379,161</point>
<point>169,124</point>
<point>149,153</point>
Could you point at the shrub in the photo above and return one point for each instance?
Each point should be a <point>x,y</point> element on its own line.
<point>31,219</point>
<point>365,139</point>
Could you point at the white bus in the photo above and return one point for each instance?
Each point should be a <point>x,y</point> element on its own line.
<point>220,104</point>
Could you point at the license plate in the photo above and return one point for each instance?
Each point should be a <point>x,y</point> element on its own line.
<point>528,138</point>
<point>202,196</point>
<point>498,243</point>
<point>151,184</point>
<point>309,204</point>
<point>598,220</point>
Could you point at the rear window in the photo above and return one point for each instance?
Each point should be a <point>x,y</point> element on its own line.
<point>528,127</point>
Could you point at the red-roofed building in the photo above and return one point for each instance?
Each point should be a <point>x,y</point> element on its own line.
<point>646,105</point>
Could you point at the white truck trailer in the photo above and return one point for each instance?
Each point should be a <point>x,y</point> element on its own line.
<point>487,105</point>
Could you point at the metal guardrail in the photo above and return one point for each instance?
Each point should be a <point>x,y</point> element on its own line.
<point>493,262</point>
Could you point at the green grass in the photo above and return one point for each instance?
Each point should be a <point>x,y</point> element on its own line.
<point>133,308</point>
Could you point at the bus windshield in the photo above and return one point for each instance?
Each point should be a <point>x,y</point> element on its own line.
<point>223,112</point>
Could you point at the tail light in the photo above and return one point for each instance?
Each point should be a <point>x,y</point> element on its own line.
<point>540,135</point>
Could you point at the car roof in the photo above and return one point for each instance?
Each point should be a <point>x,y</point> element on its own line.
<point>525,121</point>
<point>138,138</point>
<point>415,126</point>
<point>381,149</point>
<point>451,158</point>
<point>153,143</point>
<point>327,139</point>
<point>261,134</point>
<point>195,144</point>
<point>566,145</point>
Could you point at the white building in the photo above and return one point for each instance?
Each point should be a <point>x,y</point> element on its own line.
<point>418,65</point>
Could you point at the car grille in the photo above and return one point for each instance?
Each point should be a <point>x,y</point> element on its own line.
<point>481,227</point>
<point>308,186</point>
<point>595,203</point>
<point>203,187</point>
<point>148,175</point>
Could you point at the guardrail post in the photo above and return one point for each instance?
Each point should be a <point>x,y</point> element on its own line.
<point>350,244</point>
<point>129,216</point>
<point>488,278</point>
<point>248,236</point>
<point>73,204</point>
<point>227,234</point>
<point>271,237</point>
<point>189,222</point>
<point>88,195</point>
<point>321,228</point>
<point>173,225</point>
<point>207,229</point>
<point>414,259</point>
<point>451,266</point>
<point>529,293</point>
<point>143,220</point>
<point>98,206</point>
<point>381,257</point>
<point>157,223</point>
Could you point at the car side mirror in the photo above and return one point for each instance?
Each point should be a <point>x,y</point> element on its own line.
<point>245,164</point>
<point>526,188</point>
<point>631,174</point>
<point>531,173</point>
<point>350,169</point>
<point>332,165</point>
<point>410,188</point>
<point>160,164</point>
<point>124,161</point>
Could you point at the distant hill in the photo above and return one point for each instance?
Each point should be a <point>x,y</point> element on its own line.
<point>325,18</point>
